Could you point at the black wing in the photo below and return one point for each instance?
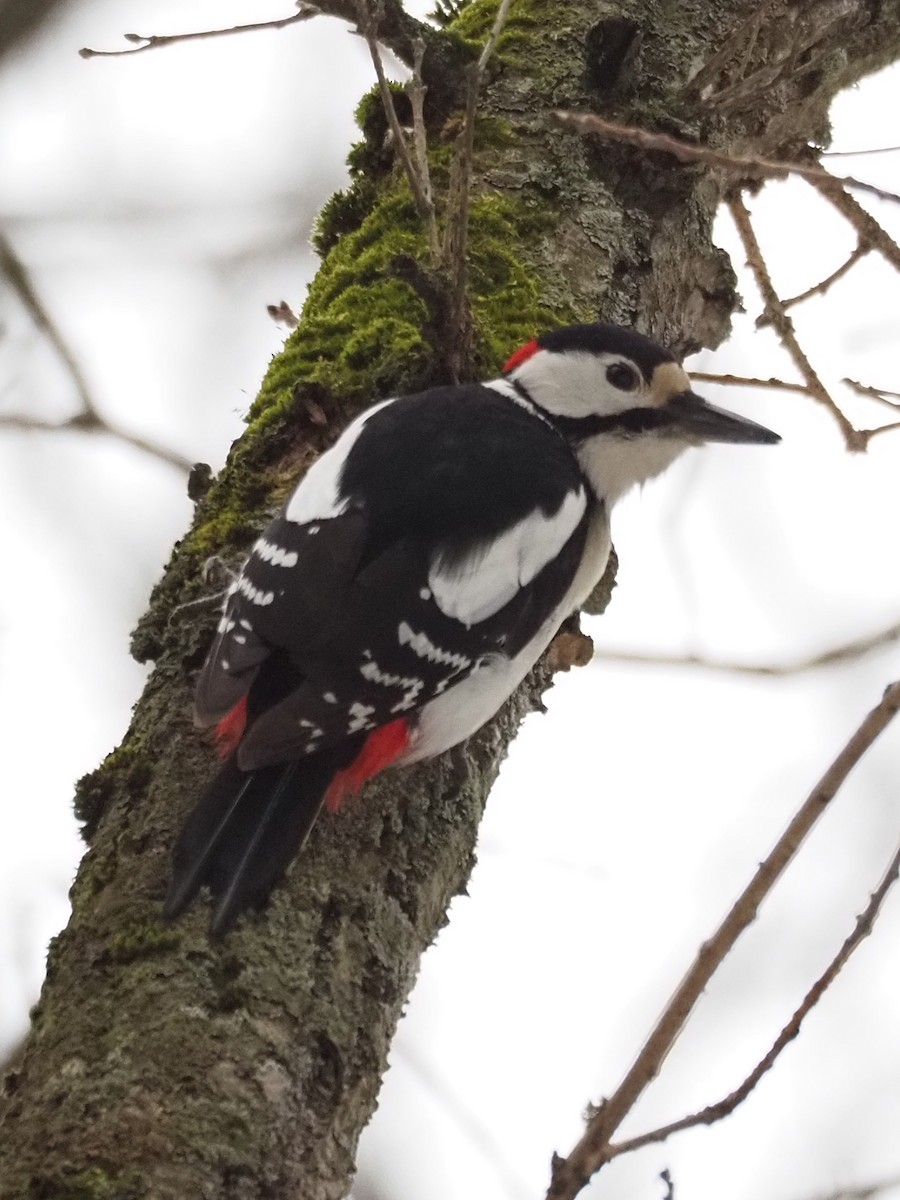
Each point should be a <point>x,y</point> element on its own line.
<point>446,543</point>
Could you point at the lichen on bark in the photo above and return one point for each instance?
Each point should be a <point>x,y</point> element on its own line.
<point>161,1065</point>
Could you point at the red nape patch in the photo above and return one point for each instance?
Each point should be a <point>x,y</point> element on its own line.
<point>230,729</point>
<point>521,355</point>
<point>382,747</point>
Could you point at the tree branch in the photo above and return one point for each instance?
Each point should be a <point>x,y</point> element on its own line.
<point>419,184</point>
<point>846,652</point>
<point>723,1108</point>
<point>871,233</point>
<point>784,327</point>
<point>571,1174</point>
<point>88,419</point>
<point>751,166</point>
<point>155,41</point>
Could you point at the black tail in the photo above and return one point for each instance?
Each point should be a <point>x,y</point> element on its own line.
<point>246,829</point>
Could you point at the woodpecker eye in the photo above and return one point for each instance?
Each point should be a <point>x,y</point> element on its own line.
<point>622,377</point>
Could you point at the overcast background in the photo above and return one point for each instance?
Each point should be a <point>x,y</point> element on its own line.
<point>159,203</point>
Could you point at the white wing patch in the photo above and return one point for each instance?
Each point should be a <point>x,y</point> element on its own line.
<point>276,555</point>
<point>421,644</point>
<point>317,496</point>
<point>254,594</point>
<point>473,589</point>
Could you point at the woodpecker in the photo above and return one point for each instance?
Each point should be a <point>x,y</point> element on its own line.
<point>413,578</point>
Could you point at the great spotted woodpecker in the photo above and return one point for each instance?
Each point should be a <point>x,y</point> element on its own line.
<point>413,578</point>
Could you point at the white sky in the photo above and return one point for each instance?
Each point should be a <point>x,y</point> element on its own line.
<point>161,202</point>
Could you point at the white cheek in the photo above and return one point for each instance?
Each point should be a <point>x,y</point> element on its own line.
<point>575,384</point>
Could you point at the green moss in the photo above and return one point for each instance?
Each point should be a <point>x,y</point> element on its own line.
<point>473,23</point>
<point>344,212</point>
<point>127,770</point>
<point>365,332</point>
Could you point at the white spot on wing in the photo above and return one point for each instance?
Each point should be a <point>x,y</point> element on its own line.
<point>359,717</point>
<point>254,595</point>
<point>276,555</point>
<point>421,644</point>
<point>476,587</point>
<point>410,683</point>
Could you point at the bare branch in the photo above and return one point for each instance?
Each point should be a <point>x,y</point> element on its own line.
<point>846,652</point>
<point>422,199</point>
<point>15,271</point>
<point>780,385</point>
<point>416,89</point>
<point>858,153</point>
<point>870,232</point>
<point>155,41</point>
<point>82,423</point>
<point>863,436</point>
<point>819,289</point>
<point>491,44</point>
<point>88,419</point>
<point>689,152</point>
<point>882,395</point>
<point>723,1108</point>
<point>571,1174</point>
<point>774,312</point>
<point>456,229</point>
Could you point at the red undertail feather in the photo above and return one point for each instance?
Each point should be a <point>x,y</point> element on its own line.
<point>382,747</point>
<point>230,729</point>
<point>523,353</point>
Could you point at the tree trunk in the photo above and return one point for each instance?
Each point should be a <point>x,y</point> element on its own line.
<point>162,1065</point>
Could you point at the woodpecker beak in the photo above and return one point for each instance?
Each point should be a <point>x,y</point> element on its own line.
<point>703,422</point>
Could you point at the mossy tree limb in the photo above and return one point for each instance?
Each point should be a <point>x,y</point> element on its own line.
<point>160,1065</point>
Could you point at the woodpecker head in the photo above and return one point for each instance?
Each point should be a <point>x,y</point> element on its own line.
<point>623,402</point>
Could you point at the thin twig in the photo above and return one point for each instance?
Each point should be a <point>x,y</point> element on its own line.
<point>81,423</point>
<point>12,267</point>
<point>690,152</point>
<point>456,229</point>
<point>873,235</point>
<point>819,289</point>
<point>571,1174</point>
<point>424,204</point>
<point>860,436</point>
<point>88,418</point>
<point>416,89</point>
<point>846,652</point>
<point>867,434</point>
<point>724,1107</point>
<point>493,37</point>
<point>780,385</point>
<point>858,153</point>
<point>784,327</point>
<point>882,395</point>
<point>154,41</point>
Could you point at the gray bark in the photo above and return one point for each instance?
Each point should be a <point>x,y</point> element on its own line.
<point>161,1065</point>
